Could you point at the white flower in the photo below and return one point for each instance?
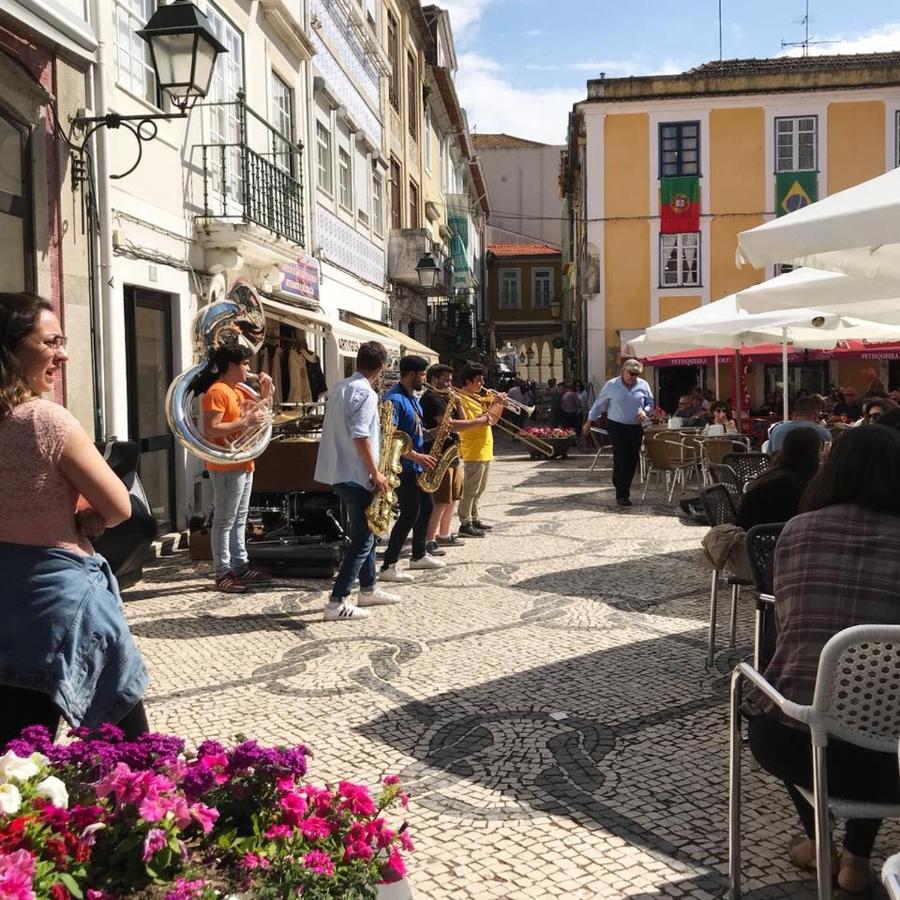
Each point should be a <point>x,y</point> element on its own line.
<point>10,799</point>
<point>17,768</point>
<point>54,790</point>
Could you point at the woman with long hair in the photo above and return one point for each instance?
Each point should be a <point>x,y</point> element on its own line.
<point>837,564</point>
<point>65,648</point>
<point>775,495</point>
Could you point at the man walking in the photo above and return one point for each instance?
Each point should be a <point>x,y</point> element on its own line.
<point>348,460</point>
<point>476,447</point>
<point>627,401</point>
<point>415,505</point>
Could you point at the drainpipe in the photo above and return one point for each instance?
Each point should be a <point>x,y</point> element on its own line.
<point>112,314</point>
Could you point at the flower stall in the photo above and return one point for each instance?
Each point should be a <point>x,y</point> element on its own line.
<point>101,817</point>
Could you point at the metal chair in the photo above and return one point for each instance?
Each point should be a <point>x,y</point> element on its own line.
<point>761,540</point>
<point>722,474</point>
<point>720,509</point>
<point>747,465</point>
<point>855,700</point>
<point>597,436</point>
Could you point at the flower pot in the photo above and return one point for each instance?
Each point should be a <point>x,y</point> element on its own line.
<point>398,890</point>
<point>560,447</point>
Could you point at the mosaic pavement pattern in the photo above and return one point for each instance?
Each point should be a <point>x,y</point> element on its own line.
<point>544,698</point>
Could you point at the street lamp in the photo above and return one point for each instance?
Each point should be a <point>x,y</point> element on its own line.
<point>555,307</point>
<point>183,49</point>
<point>428,272</point>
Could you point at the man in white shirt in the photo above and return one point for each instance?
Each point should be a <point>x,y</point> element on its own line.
<point>348,460</point>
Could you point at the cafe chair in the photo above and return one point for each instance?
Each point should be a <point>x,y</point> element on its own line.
<point>722,474</point>
<point>856,686</point>
<point>761,540</point>
<point>720,508</point>
<point>671,459</point>
<point>747,465</point>
<point>600,437</point>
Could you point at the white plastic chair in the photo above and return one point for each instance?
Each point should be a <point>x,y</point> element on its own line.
<point>859,668</point>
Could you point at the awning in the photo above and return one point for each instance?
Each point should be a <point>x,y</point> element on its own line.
<point>384,333</point>
<point>698,357</point>
<point>348,337</point>
<point>305,319</point>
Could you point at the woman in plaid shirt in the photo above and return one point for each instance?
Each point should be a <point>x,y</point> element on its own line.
<point>836,565</point>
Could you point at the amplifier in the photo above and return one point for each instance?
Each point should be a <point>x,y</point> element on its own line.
<point>304,556</point>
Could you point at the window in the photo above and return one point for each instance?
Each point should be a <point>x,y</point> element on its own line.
<point>378,204</point>
<point>361,169</point>
<point>509,289</point>
<point>396,202</point>
<point>783,269</point>
<point>442,150</point>
<point>283,123</point>
<point>345,186</point>
<point>323,158</point>
<point>134,70</point>
<point>413,205</point>
<point>541,288</point>
<point>426,139</point>
<point>679,148</point>
<point>393,48</point>
<point>412,101</point>
<point>679,260</point>
<point>17,270</point>
<point>795,144</point>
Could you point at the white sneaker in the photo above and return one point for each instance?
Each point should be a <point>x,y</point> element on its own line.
<point>343,611</point>
<point>427,562</point>
<point>376,597</point>
<point>391,573</point>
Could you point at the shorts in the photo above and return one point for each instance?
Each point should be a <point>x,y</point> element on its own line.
<point>450,488</point>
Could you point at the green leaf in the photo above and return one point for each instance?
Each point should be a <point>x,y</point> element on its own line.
<point>71,885</point>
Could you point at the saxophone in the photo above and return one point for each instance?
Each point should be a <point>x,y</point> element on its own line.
<point>431,481</point>
<point>394,444</point>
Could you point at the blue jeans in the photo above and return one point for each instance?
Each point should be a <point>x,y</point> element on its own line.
<point>231,493</point>
<point>359,557</point>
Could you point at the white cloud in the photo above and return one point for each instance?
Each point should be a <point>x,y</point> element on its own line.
<point>623,68</point>
<point>464,13</point>
<point>492,104</point>
<point>879,40</point>
<point>533,32</point>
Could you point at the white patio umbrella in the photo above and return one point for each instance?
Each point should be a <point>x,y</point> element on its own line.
<point>724,324</point>
<point>863,298</point>
<point>854,231</point>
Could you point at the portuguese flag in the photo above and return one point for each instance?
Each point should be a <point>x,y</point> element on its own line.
<point>679,204</point>
<point>794,190</point>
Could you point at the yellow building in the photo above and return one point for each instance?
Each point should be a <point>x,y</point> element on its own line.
<point>753,138</point>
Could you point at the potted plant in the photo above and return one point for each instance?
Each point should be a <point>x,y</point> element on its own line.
<point>102,817</point>
<point>561,439</point>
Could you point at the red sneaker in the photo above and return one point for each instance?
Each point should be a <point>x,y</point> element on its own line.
<point>229,583</point>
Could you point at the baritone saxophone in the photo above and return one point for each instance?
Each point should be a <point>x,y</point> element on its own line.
<point>394,444</point>
<point>431,481</point>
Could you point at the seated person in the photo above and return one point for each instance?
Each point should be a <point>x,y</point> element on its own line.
<point>775,495</point>
<point>837,564</point>
<point>873,408</point>
<point>806,415</point>
<point>721,416</point>
<point>689,410</point>
<point>848,406</point>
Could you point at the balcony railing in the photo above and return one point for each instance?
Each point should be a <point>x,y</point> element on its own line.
<point>252,172</point>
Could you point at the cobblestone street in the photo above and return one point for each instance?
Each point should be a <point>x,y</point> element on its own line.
<point>544,698</point>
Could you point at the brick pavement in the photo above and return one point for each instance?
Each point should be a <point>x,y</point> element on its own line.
<point>544,698</point>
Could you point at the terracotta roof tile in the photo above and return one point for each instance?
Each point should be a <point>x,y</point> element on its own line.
<point>511,250</point>
<point>503,142</point>
<point>796,63</point>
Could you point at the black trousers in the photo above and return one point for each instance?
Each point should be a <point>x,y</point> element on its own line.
<point>626,443</point>
<point>415,511</point>
<point>854,773</point>
<point>22,708</point>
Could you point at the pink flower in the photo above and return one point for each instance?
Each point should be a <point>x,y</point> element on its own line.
<point>205,815</point>
<point>17,876</point>
<point>278,831</point>
<point>285,783</point>
<point>254,861</point>
<point>394,869</point>
<point>384,837</point>
<point>390,779</point>
<point>294,807</point>
<point>155,841</point>
<point>319,862</point>
<point>358,850</point>
<point>315,828</point>
<point>404,799</point>
<point>358,799</point>
<point>152,807</point>
<point>186,890</point>
<point>406,841</point>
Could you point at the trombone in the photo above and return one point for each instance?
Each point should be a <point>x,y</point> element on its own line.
<point>491,398</point>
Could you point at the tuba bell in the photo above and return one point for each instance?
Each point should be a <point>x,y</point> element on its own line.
<point>236,320</point>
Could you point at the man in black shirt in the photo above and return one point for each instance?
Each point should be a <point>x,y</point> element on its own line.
<point>434,407</point>
<point>848,406</point>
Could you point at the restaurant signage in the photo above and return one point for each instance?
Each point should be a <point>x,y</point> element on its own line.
<point>300,278</point>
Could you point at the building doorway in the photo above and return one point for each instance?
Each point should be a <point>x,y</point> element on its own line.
<point>148,316</point>
<point>673,381</point>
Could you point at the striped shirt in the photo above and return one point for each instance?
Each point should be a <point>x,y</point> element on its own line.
<point>834,568</point>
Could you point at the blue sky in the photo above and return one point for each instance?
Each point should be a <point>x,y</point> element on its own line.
<point>523,63</point>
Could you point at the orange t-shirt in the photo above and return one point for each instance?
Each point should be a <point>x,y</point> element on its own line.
<point>227,400</point>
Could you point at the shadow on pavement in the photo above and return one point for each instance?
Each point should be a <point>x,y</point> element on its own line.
<point>193,627</point>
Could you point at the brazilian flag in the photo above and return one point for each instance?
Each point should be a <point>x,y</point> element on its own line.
<point>794,190</point>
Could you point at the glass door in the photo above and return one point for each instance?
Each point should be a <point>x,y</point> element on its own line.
<point>149,335</point>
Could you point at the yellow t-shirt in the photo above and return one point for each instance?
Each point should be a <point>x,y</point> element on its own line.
<point>222,398</point>
<point>475,444</point>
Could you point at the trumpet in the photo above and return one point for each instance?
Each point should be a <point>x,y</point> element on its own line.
<point>490,399</point>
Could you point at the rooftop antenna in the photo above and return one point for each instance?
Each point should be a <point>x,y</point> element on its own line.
<point>806,43</point>
<point>720,30</point>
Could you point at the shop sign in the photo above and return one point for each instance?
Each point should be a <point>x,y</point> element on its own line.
<point>301,278</point>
